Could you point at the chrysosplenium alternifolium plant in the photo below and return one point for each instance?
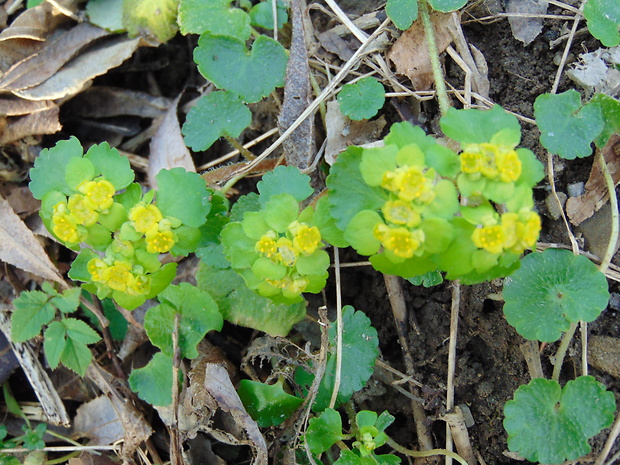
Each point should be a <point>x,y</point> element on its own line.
<point>90,203</point>
<point>415,206</point>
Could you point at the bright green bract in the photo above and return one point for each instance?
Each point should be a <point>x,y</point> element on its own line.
<point>550,291</point>
<point>549,424</point>
<point>363,99</point>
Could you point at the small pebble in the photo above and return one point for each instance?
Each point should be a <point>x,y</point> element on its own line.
<point>575,189</point>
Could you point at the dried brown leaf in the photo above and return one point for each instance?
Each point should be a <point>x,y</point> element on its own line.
<point>98,421</point>
<point>168,150</point>
<point>410,53</point>
<point>10,105</point>
<point>20,248</point>
<point>34,124</point>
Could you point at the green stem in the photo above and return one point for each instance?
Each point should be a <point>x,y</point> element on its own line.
<point>425,453</point>
<point>240,148</point>
<point>559,356</point>
<point>613,201</point>
<point>440,83</point>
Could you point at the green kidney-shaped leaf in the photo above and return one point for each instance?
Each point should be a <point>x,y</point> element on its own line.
<point>610,109</point>
<point>548,424</point>
<point>475,126</point>
<point>603,18</point>
<point>446,6</point>
<point>183,195</point>
<point>153,383</point>
<point>215,17</point>
<point>111,165</point>
<point>284,180</point>
<point>215,115</point>
<point>324,431</point>
<point>50,167</point>
<point>363,99</point>
<point>402,12</point>
<point>551,290</point>
<point>227,63</point>
<point>33,309</point>
<point>567,129</point>
<point>198,315</point>
<point>269,405</point>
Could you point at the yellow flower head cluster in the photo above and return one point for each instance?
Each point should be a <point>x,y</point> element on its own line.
<point>119,276</point>
<point>300,239</point>
<point>294,285</point>
<point>403,242</point>
<point>70,218</point>
<point>148,220</point>
<point>515,233</point>
<point>410,183</point>
<point>492,161</point>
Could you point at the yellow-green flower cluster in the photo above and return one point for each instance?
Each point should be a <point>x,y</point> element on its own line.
<point>493,161</point>
<point>514,232</point>
<point>148,220</point>
<point>119,275</point>
<point>71,217</point>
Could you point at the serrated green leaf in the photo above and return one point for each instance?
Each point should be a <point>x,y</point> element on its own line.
<point>50,166</point>
<point>475,126</point>
<point>548,424</point>
<point>430,279</point>
<point>215,17</point>
<point>153,383</point>
<point>198,315</point>
<point>226,62</point>
<point>261,14</point>
<point>215,115</point>
<point>551,290</point>
<point>445,6</point>
<point>79,331</point>
<point>402,12</point>
<point>139,17</point>
<point>32,311</point>
<point>324,431</point>
<point>247,203</point>
<point>79,170</point>
<point>284,180</point>
<point>269,405</point>
<point>68,301</point>
<point>111,165</point>
<point>603,18</point>
<point>183,195</point>
<point>363,99</point>
<point>567,128</point>
<point>610,109</point>
<point>54,343</point>
<point>66,341</point>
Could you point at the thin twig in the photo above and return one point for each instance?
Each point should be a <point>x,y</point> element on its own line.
<point>569,43</point>
<point>175,440</point>
<point>338,374</point>
<point>454,328</point>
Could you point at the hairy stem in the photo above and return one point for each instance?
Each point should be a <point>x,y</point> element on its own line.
<point>559,356</point>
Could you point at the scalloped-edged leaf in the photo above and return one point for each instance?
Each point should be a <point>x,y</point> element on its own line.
<point>215,17</point>
<point>226,62</point>
<point>111,165</point>
<point>603,18</point>
<point>567,128</point>
<point>402,12</point>
<point>183,195</point>
<point>153,383</point>
<point>430,279</point>
<point>475,126</point>
<point>198,315</point>
<point>33,309</point>
<point>445,6</point>
<point>261,14</point>
<point>50,166</point>
<point>284,180</point>
<point>548,424</point>
<point>610,109</point>
<point>215,115</point>
<point>268,404</point>
<point>324,431</point>
<point>66,341</point>
<point>362,99</point>
<point>551,290</point>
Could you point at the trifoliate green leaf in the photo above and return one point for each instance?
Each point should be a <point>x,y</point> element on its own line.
<point>107,14</point>
<point>33,309</point>
<point>215,115</point>
<point>550,291</point>
<point>139,18</point>
<point>66,341</point>
<point>402,12</point>
<point>215,17</point>
<point>50,167</point>
<point>173,199</point>
<point>153,383</point>
<point>476,126</point>
<point>68,301</point>
<point>284,179</point>
<point>198,315</point>
<point>610,109</point>
<point>269,405</point>
<point>226,62</point>
<point>33,440</point>
<point>324,431</point>
<point>548,424</point>
<point>445,6</point>
<point>111,165</point>
<point>603,18</point>
<point>363,99</point>
<point>261,14</point>
<point>567,128</point>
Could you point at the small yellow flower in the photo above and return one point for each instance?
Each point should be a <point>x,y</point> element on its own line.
<point>292,285</point>
<point>118,276</point>
<point>140,286</point>
<point>409,183</point>
<point>401,241</point>
<point>97,194</point>
<point>531,228</point>
<point>124,248</point>
<point>81,212</point>
<point>489,238</point>
<point>306,239</point>
<point>513,229</point>
<point>266,245</point>
<point>509,165</point>
<point>471,161</point>
<point>145,218</point>
<point>401,213</point>
<point>488,160</point>
<point>493,161</point>
<point>95,267</point>
<point>66,228</point>
<point>287,255</point>
<point>159,241</point>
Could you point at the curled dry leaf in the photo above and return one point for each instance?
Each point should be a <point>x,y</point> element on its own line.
<point>527,25</point>
<point>410,55</point>
<point>98,421</point>
<point>10,105</point>
<point>36,123</point>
